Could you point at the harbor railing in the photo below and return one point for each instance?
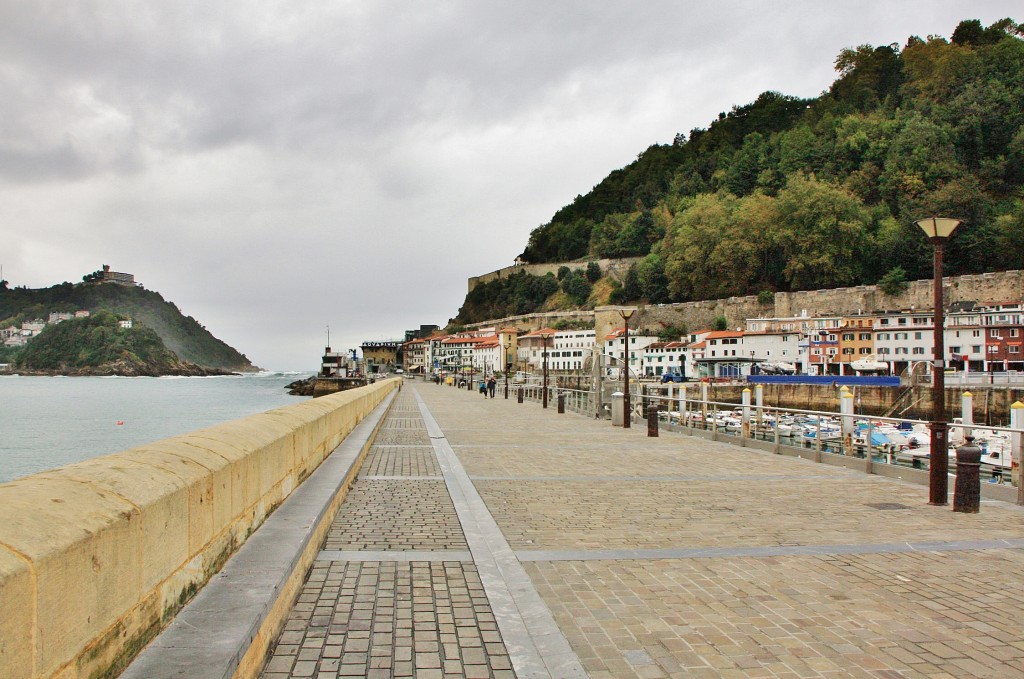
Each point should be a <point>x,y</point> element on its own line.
<point>889,446</point>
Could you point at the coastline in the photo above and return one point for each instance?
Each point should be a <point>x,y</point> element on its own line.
<point>121,371</point>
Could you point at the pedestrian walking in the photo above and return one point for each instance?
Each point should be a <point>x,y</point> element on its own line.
<point>491,385</point>
<point>483,387</point>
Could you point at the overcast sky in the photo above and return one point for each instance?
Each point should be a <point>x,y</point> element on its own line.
<point>277,167</point>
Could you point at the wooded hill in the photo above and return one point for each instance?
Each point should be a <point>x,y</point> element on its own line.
<point>189,341</point>
<point>795,194</point>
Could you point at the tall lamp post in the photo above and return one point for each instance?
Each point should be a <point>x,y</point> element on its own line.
<point>544,339</point>
<point>626,407</point>
<point>508,366</point>
<point>938,229</point>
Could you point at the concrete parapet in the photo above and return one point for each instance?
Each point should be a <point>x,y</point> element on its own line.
<point>97,557</point>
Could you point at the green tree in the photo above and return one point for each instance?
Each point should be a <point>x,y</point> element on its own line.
<point>651,278</point>
<point>593,272</point>
<point>894,282</point>
<point>577,287</point>
<point>720,323</point>
<point>826,231</point>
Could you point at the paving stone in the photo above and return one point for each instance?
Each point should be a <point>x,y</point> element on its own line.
<point>578,500</point>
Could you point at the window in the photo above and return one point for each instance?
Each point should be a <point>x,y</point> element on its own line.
<point>1014,332</point>
<point>993,349</point>
<point>955,350</point>
<point>976,333</point>
<point>884,321</point>
<point>847,351</point>
<point>918,350</point>
<point>917,335</point>
<point>864,336</point>
<point>847,336</point>
<point>883,350</point>
<point>865,350</point>
<point>1015,350</point>
<point>883,335</point>
<point>901,321</point>
<point>975,348</point>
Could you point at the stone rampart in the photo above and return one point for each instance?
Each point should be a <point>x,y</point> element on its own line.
<point>97,557</point>
<point>988,288</point>
<point>616,268</point>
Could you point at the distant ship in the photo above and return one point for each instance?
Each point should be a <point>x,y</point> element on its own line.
<point>337,373</point>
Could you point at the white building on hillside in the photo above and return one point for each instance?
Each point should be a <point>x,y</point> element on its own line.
<point>615,349</point>
<point>570,348</point>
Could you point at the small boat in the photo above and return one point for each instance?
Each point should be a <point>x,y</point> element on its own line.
<point>871,365</point>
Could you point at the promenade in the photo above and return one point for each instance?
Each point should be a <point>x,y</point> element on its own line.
<point>488,538</point>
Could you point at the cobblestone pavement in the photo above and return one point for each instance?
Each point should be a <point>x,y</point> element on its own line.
<point>655,557</point>
<point>395,592</point>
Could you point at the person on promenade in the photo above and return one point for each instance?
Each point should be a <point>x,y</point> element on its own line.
<point>483,387</point>
<point>491,385</point>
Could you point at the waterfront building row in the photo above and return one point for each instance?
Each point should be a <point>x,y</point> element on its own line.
<point>977,338</point>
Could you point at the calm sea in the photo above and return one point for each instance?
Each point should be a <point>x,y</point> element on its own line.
<point>47,422</point>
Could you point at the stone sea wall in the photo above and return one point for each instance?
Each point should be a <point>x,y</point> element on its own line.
<point>97,557</point>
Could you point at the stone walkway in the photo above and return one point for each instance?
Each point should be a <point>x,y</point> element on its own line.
<point>487,538</point>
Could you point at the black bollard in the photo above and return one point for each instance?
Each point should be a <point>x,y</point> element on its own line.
<point>561,404</point>
<point>967,491</point>
<point>519,396</point>
<point>652,420</point>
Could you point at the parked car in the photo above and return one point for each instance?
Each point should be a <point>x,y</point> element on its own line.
<point>672,377</point>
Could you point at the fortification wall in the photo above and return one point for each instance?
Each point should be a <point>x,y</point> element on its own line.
<point>988,288</point>
<point>616,268</point>
<point>97,557</point>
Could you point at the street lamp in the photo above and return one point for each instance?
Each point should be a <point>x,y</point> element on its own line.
<point>938,229</point>
<point>508,365</point>
<point>626,315</point>
<point>544,339</point>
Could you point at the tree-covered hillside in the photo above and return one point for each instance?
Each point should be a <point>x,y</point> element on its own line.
<point>794,194</point>
<point>181,334</point>
<point>99,345</point>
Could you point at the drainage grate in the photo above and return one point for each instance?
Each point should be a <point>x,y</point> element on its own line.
<point>887,505</point>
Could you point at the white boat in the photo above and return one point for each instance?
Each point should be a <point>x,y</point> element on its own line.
<point>870,364</point>
<point>776,368</point>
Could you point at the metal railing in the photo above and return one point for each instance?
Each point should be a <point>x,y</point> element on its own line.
<point>890,441</point>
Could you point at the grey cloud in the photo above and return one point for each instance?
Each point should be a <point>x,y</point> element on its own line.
<point>275,166</point>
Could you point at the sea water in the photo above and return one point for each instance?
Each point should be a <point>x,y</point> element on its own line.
<point>48,422</point>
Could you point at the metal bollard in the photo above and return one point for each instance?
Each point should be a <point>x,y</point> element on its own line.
<point>561,404</point>
<point>652,420</point>
<point>519,395</point>
<point>967,491</point>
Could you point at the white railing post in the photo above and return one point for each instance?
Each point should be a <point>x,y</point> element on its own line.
<point>683,418</point>
<point>1016,468</point>
<point>966,414</point>
<point>745,419</point>
<point>759,400</point>
<point>704,402</point>
<point>846,410</point>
